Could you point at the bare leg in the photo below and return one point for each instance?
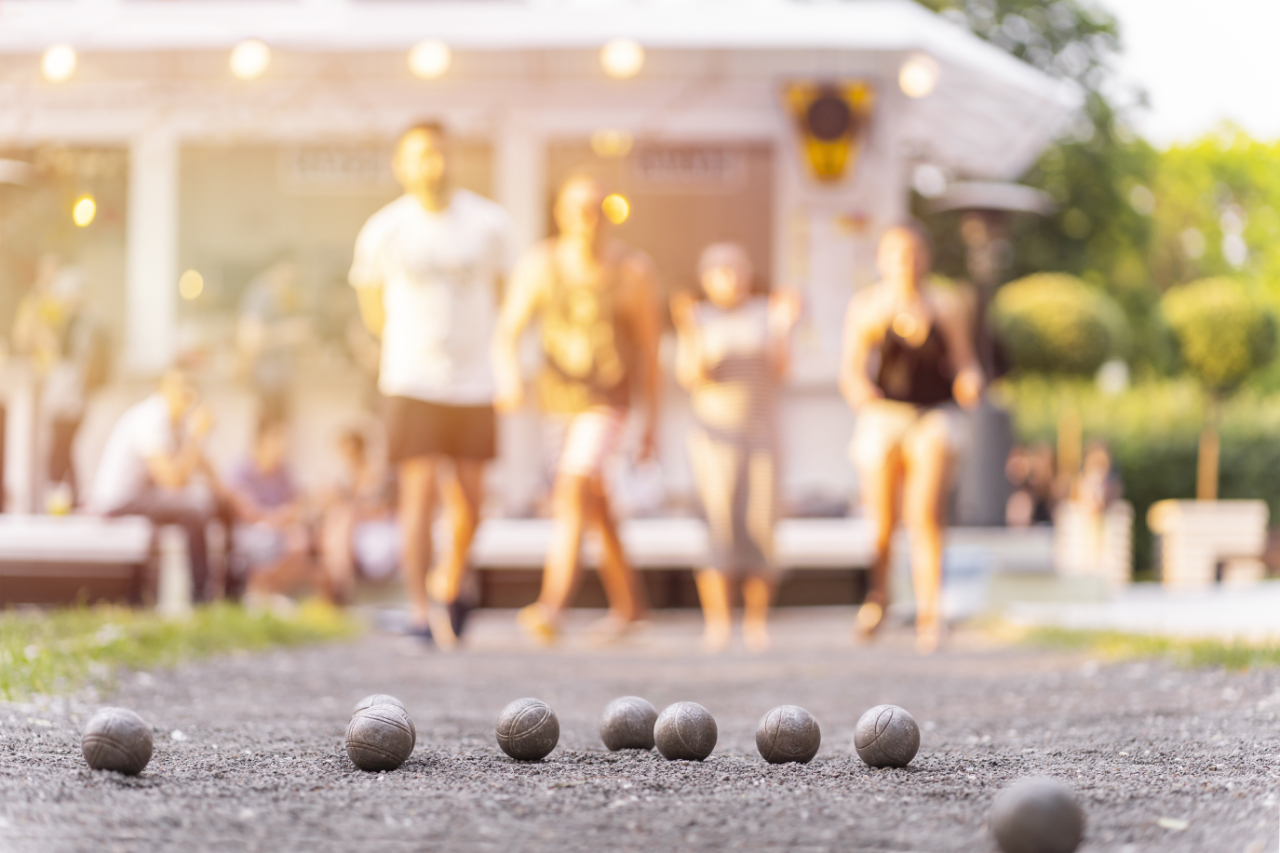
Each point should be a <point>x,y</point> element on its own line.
<point>336,531</point>
<point>417,505</point>
<point>880,497</point>
<point>757,592</point>
<point>621,584</point>
<point>713,592</point>
<point>463,497</point>
<point>928,464</point>
<point>541,619</point>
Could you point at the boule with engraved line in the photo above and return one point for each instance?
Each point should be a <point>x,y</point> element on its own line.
<point>627,723</point>
<point>788,733</point>
<point>380,737</point>
<point>117,739</point>
<point>685,731</point>
<point>528,730</point>
<point>887,736</point>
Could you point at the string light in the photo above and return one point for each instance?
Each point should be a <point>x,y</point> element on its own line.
<point>616,208</point>
<point>190,285</point>
<point>430,59</point>
<point>249,59</point>
<point>84,210</point>
<point>918,76</point>
<point>622,59</point>
<point>58,63</point>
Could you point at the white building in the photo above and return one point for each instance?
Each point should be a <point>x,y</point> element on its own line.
<point>218,174</point>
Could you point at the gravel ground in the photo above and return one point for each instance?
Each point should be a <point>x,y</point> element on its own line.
<point>249,750</point>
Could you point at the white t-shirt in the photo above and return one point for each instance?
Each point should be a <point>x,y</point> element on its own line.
<point>438,272</point>
<point>143,431</point>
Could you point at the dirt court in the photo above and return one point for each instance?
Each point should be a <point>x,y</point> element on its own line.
<point>249,750</point>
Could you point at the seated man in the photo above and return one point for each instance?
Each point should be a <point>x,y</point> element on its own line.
<point>272,552</point>
<point>151,464</point>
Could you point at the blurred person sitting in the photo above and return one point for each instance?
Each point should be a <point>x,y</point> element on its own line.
<point>598,305</point>
<point>272,554</point>
<point>358,532</point>
<point>154,465</point>
<point>909,428</point>
<point>1031,473</point>
<point>428,271</point>
<point>732,351</point>
<point>268,332</point>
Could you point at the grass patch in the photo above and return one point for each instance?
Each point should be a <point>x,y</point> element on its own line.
<point>1114,645</point>
<point>49,652</point>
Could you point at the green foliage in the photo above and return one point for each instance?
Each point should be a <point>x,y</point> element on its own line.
<point>1114,645</point>
<point>1055,323</point>
<point>1223,333</point>
<point>1153,432</point>
<point>56,651</point>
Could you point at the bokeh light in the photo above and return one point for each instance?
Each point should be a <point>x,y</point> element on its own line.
<point>611,143</point>
<point>430,59</point>
<point>616,208</point>
<point>250,59</point>
<point>84,210</point>
<point>190,285</point>
<point>918,76</point>
<point>622,58</point>
<point>58,63</point>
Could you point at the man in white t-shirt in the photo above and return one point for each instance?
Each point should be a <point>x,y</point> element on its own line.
<point>428,271</point>
<point>152,456</point>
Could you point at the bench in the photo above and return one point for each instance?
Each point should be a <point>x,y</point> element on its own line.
<point>1198,536</point>
<point>46,559</point>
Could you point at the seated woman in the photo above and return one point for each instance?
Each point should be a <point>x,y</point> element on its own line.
<point>272,550</point>
<point>358,532</point>
<point>732,351</point>
<point>909,428</point>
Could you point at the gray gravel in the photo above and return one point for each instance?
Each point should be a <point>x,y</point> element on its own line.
<point>249,751</point>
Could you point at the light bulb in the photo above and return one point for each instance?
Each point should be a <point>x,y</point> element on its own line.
<point>84,210</point>
<point>250,59</point>
<point>622,58</point>
<point>430,59</point>
<point>918,76</point>
<point>616,208</point>
<point>58,63</point>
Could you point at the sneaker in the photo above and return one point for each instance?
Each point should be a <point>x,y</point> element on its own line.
<point>459,613</point>
<point>422,633</point>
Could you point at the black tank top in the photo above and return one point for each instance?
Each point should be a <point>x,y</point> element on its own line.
<point>920,375</point>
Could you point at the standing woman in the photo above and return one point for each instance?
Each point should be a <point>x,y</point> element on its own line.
<point>908,367</point>
<point>732,352</point>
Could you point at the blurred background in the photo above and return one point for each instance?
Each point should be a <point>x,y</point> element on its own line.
<point>1104,193</point>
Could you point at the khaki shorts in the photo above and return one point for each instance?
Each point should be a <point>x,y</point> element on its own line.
<point>886,425</point>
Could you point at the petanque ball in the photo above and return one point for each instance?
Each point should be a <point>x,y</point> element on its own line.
<point>380,737</point>
<point>627,723</point>
<point>386,699</point>
<point>788,733</point>
<point>117,739</point>
<point>685,731</point>
<point>1037,815</point>
<point>887,736</point>
<point>528,730</point>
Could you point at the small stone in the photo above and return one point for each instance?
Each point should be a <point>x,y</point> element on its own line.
<point>528,730</point>
<point>685,731</point>
<point>117,739</point>
<point>380,737</point>
<point>887,736</point>
<point>1037,815</point>
<point>627,723</point>
<point>386,699</point>
<point>788,733</point>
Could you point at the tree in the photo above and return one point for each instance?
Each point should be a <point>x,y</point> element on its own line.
<point>1224,335</point>
<point>1052,323</point>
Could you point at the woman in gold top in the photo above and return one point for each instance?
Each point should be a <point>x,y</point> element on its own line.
<point>597,300</point>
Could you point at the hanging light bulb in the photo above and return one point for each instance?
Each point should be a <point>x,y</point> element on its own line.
<point>622,59</point>
<point>84,210</point>
<point>918,76</point>
<point>616,208</point>
<point>249,59</point>
<point>430,59</point>
<point>58,63</point>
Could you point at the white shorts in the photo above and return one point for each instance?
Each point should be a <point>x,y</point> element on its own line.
<point>590,438</point>
<point>886,425</point>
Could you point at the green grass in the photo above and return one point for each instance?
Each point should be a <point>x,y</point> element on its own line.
<point>1113,645</point>
<point>50,652</point>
